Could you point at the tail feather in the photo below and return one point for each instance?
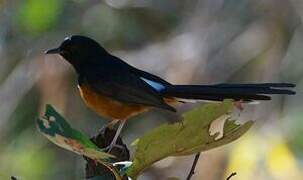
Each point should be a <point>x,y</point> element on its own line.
<point>219,92</point>
<point>264,85</point>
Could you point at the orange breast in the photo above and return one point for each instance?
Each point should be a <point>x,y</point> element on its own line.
<point>107,107</point>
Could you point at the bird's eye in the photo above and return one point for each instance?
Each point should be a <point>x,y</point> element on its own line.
<point>70,47</point>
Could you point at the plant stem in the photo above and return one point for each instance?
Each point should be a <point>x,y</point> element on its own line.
<point>231,175</point>
<point>192,170</point>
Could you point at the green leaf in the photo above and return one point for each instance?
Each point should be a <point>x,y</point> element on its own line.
<point>56,129</point>
<point>53,126</point>
<point>187,137</point>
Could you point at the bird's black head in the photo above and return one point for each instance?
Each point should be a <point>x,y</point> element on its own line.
<point>79,50</point>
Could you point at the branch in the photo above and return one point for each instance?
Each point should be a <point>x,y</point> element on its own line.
<point>231,175</point>
<point>102,140</point>
<point>193,167</point>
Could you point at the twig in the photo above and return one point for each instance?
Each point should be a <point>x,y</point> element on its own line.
<point>102,140</point>
<point>192,170</point>
<point>231,175</point>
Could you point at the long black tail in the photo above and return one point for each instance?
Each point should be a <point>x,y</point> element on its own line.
<point>219,92</point>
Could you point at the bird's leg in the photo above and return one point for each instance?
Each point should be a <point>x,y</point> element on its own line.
<point>118,132</point>
<point>109,125</point>
<point>239,105</point>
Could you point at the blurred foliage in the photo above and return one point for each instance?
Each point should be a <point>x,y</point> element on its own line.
<point>272,158</point>
<point>37,16</point>
<point>23,156</point>
<point>116,27</point>
<point>24,117</point>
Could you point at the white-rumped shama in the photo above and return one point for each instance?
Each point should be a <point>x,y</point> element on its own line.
<point>117,90</point>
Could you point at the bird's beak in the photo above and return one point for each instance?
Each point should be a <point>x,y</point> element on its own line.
<point>53,51</point>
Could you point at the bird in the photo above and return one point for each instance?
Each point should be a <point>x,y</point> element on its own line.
<point>118,91</point>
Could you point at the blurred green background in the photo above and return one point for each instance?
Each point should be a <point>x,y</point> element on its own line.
<point>191,41</point>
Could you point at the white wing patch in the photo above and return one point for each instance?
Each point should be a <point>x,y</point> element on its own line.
<point>157,86</point>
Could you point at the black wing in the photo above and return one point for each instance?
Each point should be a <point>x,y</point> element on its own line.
<point>122,84</point>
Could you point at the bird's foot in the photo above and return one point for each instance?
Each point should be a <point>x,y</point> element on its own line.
<point>109,125</point>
